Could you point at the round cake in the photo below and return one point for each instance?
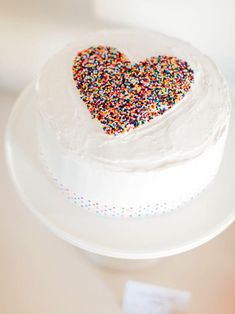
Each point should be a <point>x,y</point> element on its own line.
<point>131,123</point>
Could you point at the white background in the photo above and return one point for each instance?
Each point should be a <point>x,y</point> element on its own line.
<point>31,31</point>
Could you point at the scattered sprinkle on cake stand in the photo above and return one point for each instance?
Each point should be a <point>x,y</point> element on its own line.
<point>137,238</point>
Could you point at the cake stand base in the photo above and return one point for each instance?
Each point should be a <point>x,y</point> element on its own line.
<point>130,238</point>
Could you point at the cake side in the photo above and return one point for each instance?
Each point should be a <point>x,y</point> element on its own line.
<point>124,194</point>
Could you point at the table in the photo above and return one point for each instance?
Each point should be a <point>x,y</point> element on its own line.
<point>42,274</point>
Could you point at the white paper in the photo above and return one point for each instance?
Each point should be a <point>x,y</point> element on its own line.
<point>142,298</point>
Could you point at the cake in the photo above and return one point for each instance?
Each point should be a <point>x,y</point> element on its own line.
<point>131,123</point>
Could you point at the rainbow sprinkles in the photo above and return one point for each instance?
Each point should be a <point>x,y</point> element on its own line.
<point>123,96</point>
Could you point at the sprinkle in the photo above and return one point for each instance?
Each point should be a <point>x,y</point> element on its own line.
<point>123,96</point>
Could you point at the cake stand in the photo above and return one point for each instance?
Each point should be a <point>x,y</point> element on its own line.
<point>121,238</point>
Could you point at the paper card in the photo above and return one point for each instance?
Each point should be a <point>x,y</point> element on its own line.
<point>142,298</point>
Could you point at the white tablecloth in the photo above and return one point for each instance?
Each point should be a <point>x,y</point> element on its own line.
<point>40,273</point>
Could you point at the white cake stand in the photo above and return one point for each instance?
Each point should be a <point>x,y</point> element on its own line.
<point>129,238</point>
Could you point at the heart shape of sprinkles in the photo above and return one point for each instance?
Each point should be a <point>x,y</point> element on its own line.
<point>123,96</point>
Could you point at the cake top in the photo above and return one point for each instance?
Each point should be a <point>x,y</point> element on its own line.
<point>145,117</point>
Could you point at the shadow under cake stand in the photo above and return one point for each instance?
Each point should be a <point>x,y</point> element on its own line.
<point>120,238</point>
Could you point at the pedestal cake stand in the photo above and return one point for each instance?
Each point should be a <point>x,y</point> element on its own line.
<point>122,238</point>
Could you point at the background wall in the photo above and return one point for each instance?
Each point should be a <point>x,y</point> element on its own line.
<point>31,31</point>
<point>207,24</point>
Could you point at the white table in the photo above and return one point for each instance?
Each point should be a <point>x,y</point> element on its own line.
<point>40,273</point>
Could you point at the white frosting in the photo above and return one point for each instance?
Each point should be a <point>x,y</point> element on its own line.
<point>182,133</point>
<point>176,154</point>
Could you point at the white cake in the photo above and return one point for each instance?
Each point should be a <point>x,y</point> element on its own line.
<point>150,169</point>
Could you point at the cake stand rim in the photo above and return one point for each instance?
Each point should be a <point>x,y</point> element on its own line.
<point>87,245</point>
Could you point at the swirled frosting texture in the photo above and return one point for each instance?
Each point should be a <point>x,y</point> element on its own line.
<point>184,132</point>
